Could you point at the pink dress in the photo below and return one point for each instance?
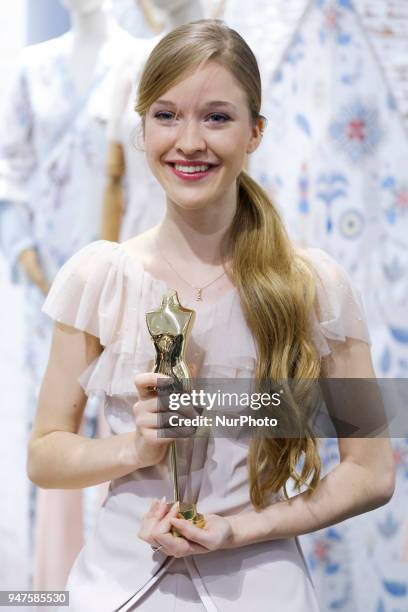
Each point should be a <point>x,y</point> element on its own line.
<point>105,291</point>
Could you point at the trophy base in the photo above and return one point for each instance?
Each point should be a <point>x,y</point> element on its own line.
<point>188,511</point>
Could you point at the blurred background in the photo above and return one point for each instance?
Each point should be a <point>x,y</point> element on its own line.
<point>334,158</point>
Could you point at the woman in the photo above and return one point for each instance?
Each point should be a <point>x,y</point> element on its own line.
<point>267,310</point>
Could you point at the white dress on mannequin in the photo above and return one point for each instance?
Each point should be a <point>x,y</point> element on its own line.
<point>52,173</point>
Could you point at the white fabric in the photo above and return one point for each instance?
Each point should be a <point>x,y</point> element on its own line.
<point>105,291</point>
<point>178,589</point>
<point>175,592</point>
<point>52,176</point>
<point>52,170</point>
<point>54,141</point>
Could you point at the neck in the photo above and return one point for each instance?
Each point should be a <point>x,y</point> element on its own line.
<point>197,236</point>
<point>92,27</point>
<point>189,11</point>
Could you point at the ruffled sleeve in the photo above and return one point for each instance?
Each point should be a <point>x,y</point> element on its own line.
<point>339,309</point>
<point>103,291</point>
<point>87,292</point>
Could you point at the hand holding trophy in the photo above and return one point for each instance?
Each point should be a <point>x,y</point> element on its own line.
<point>169,327</point>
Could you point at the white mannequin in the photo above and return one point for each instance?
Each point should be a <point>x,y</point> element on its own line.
<point>92,25</point>
<point>116,225</point>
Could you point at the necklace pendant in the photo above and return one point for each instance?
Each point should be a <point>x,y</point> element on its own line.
<point>199,296</point>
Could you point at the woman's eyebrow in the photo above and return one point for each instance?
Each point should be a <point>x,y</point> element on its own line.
<point>206,105</point>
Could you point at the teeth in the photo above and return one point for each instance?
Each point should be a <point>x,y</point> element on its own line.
<point>191,169</point>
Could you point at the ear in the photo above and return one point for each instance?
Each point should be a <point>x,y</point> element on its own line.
<point>257,132</point>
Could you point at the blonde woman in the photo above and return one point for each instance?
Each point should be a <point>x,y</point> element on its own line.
<point>267,310</point>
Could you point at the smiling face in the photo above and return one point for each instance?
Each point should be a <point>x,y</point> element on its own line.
<point>203,120</point>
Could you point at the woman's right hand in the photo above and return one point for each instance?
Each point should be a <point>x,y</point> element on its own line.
<point>149,446</point>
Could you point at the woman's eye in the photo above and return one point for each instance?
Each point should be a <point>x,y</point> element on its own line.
<point>161,113</point>
<point>217,117</point>
<point>220,116</point>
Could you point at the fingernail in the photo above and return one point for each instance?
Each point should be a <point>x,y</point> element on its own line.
<point>163,499</point>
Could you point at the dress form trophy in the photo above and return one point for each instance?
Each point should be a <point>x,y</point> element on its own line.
<point>169,327</point>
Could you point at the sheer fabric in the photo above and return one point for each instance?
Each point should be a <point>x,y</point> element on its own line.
<point>106,292</point>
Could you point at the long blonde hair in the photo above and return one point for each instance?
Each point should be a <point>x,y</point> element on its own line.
<point>275,282</point>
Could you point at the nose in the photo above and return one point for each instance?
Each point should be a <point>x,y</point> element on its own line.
<point>190,138</point>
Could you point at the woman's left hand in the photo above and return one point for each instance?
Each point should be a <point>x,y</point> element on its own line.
<point>157,522</point>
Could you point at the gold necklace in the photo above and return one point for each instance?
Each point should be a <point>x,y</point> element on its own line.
<point>199,297</point>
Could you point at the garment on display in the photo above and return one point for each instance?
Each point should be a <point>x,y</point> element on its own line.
<point>52,172</point>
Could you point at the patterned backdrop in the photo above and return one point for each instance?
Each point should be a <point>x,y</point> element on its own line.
<point>334,158</point>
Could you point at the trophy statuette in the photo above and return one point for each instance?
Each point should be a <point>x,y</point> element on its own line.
<point>169,327</point>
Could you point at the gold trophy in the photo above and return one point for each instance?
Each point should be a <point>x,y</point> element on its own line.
<point>169,327</point>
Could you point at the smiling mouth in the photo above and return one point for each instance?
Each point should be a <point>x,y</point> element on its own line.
<point>191,174</point>
<point>173,164</point>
